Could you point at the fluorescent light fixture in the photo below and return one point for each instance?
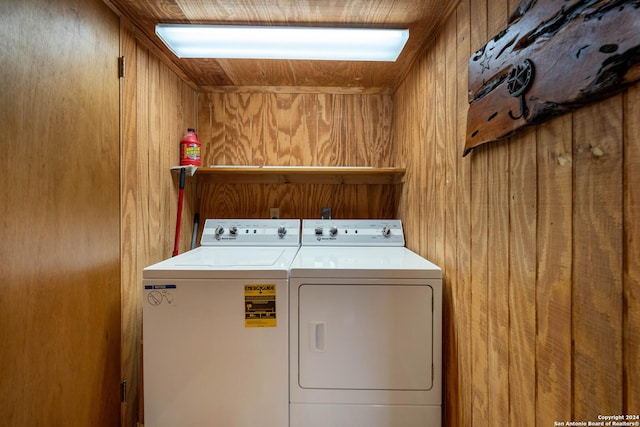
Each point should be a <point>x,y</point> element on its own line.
<point>251,42</point>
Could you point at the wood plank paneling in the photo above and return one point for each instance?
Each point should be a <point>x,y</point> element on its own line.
<point>460,283</point>
<point>597,260</point>
<point>522,279</point>
<point>60,246</point>
<point>296,129</point>
<point>498,285</point>
<point>131,305</point>
<point>631,338</point>
<point>541,307</point>
<point>479,253</point>
<point>554,274</point>
<point>157,108</point>
<point>537,235</point>
<point>450,351</point>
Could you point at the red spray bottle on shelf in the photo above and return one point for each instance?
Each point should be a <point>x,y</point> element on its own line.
<point>190,149</point>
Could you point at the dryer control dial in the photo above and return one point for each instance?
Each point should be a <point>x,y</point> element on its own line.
<point>333,231</point>
<point>386,231</point>
<point>282,231</point>
<point>219,232</point>
<point>319,231</point>
<point>233,230</point>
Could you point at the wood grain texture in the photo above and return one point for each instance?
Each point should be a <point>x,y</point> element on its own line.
<point>554,273</point>
<point>295,129</point>
<point>461,198</point>
<point>60,246</point>
<point>450,351</point>
<point>498,242</point>
<point>131,305</point>
<point>157,109</point>
<point>545,294</point>
<point>537,239</point>
<point>297,200</point>
<point>631,338</point>
<point>597,260</point>
<point>523,254</point>
<point>422,18</point>
<point>479,254</point>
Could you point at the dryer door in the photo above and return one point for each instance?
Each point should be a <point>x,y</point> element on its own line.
<point>365,337</point>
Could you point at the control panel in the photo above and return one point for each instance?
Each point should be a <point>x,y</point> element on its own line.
<point>251,232</point>
<point>352,232</point>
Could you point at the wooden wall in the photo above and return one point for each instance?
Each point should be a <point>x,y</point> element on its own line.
<point>295,128</point>
<point>59,210</point>
<point>157,108</point>
<point>538,238</point>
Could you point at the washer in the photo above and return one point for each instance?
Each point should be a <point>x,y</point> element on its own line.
<point>216,328</point>
<point>365,328</point>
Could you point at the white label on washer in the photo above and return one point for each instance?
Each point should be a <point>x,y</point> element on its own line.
<point>161,295</point>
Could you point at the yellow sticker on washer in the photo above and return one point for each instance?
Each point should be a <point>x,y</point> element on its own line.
<point>260,306</point>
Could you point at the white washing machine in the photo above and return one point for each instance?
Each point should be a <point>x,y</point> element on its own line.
<point>215,328</point>
<point>365,328</point>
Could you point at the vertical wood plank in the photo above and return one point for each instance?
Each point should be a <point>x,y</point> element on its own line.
<point>400,145</point>
<point>553,297</point>
<point>462,311</point>
<point>498,281</point>
<point>167,143</point>
<point>631,332</point>
<point>131,306</point>
<point>522,293</point>
<point>437,172</point>
<point>142,142</point>
<point>479,252</point>
<point>597,266</point>
<point>155,174</point>
<point>498,242</point>
<point>450,261</point>
<point>424,163</point>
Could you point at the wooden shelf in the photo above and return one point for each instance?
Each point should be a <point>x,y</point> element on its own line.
<point>295,175</point>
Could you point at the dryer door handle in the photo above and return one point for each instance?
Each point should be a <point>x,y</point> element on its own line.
<point>317,336</point>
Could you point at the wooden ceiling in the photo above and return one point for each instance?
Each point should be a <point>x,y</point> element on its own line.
<point>421,17</point>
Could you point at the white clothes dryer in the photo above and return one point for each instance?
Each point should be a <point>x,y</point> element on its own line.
<point>215,327</point>
<point>365,328</point>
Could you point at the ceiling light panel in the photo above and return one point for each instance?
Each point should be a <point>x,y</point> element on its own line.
<point>296,43</point>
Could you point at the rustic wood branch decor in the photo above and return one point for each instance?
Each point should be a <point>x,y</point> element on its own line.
<point>555,56</point>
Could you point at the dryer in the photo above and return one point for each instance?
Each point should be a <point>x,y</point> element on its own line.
<point>215,328</point>
<point>365,328</point>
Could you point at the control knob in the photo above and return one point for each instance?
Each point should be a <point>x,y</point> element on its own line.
<point>233,230</point>
<point>386,231</point>
<point>219,232</point>
<point>318,231</point>
<point>333,231</point>
<point>282,231</point>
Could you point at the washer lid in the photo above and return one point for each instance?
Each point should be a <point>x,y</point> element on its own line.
<point>362,262</point>
<point>225,262</point>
